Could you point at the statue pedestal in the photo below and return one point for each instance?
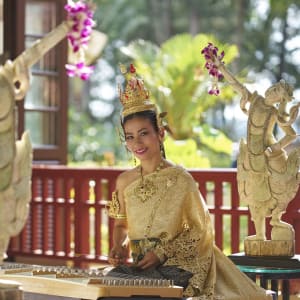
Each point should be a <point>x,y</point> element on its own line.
<point>269,248</point>
<point>3,248</point>
<point>10,290</point>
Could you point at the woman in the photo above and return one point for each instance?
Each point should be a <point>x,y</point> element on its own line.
<point>161,216</point>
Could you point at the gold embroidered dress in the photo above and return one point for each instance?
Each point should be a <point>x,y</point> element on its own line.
<point>176,216</point>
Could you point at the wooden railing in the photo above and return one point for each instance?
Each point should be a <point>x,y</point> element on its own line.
<point>68,218</point>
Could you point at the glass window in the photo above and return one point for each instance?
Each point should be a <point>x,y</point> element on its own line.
<point>45,105</point>
<point>42,94</point>
<point>41,126</point>
<point>44,15</point>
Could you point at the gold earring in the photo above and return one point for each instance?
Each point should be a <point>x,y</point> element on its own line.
<point>162,150</point>
<point>134,161</point>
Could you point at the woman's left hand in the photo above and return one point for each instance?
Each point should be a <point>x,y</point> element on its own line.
<point>149,260</point>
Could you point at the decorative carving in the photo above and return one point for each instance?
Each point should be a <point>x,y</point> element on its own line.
<point>267,176</point>
<point>16,156</point>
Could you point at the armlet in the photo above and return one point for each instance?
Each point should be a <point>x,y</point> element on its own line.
<point>114,207</point>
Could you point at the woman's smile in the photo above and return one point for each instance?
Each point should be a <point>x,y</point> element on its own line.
<point>140,151</point>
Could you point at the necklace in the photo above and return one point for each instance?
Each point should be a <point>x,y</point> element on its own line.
<point>146,187</point>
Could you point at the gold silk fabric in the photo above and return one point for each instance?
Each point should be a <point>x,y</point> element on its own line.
<point>177,216</point>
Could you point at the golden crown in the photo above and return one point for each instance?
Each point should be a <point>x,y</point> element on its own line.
<point>135,97</point>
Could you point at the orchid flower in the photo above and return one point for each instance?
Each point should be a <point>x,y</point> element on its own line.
<point>210,53</point>
<point>81,14</point>
<point>80,70</point>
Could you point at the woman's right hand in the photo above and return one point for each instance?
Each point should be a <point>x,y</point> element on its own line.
<point>117,255</point>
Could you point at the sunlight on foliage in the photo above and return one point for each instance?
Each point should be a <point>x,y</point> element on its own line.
<point>176,78</point>
<point>185,153</point>
<point>178,83</point>
<point>215,139</point>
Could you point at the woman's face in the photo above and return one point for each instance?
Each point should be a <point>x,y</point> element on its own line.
<point>141,138</point>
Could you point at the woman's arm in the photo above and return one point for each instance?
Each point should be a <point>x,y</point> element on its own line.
<point>119,252</point>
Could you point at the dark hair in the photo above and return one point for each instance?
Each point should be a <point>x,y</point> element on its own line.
<point>147,114</point>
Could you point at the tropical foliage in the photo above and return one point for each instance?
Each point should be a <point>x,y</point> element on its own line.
<point>175,75</point>
<point>162,37</point>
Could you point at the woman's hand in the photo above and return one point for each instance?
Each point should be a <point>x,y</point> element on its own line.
<point>149,260</point>
<point>117,255</point>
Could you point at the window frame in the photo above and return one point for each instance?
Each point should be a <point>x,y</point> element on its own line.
<point>14,45</point>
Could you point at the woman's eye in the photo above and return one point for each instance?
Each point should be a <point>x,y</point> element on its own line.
<point>144,133</point>
<point>128,137</point>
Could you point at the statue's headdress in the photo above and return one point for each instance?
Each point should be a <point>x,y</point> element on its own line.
<point>135,97</point>
<point>283,89</point>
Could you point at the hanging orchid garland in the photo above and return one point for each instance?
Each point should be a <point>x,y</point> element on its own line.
<point>81,14</point>
<point>210,53</point>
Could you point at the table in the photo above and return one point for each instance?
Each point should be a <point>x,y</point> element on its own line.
<point>269,270</point>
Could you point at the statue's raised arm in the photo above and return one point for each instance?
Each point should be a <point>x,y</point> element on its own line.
<point>18,69</point>
<point>217,68</point>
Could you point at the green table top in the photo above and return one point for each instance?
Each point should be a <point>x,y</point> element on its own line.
<point>267,270</point>
<point>266,261</point>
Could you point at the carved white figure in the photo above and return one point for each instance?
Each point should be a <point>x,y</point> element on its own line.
<point>16,156</point>
<point>267,176</point>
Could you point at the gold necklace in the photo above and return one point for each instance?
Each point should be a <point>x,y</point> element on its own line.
<point>146,187</point>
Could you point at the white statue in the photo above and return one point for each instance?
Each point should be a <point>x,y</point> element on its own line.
<point>267,176</point>
<point>16,156</point>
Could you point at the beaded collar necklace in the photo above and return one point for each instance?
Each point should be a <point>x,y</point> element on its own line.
<point>146,187</point>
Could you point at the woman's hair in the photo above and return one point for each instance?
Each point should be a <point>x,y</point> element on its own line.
<point>151,115</point>
<point>147,114</point>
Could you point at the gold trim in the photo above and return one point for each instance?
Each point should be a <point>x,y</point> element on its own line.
<point>134,109</point>
<point>114,207</point>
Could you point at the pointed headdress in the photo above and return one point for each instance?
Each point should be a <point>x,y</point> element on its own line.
<point>135,97</point>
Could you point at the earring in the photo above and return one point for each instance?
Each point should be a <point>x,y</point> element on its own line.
<point>130,156</point>
<point>162,150</point>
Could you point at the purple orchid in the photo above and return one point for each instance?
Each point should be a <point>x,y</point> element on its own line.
<point>81,13</point>
<point>210,53</point>
<point>80,70</point>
